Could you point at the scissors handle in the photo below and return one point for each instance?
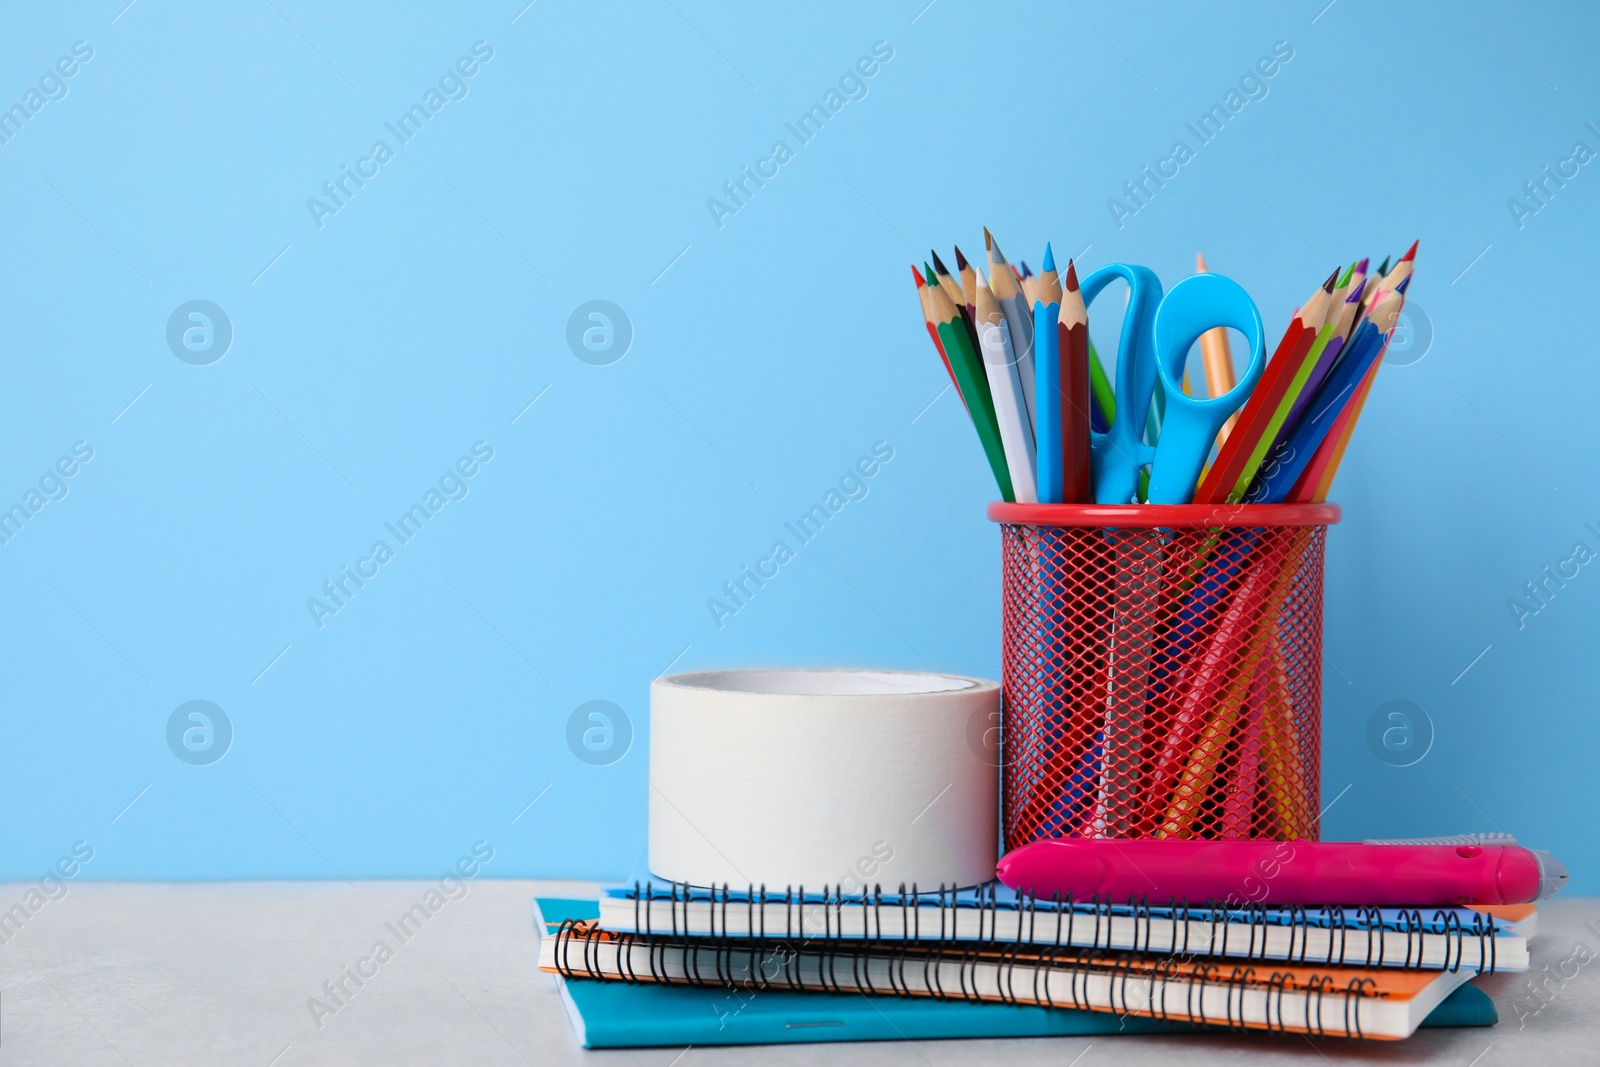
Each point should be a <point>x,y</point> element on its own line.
<point>1199,303</point>
<point>1121,451</point>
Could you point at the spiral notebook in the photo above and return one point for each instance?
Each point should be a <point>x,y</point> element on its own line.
<point>1431,939</point>
<point>1383,1003</point>
<point>620,1014</point>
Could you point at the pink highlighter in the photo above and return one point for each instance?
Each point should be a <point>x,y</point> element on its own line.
<point>1283,872</point>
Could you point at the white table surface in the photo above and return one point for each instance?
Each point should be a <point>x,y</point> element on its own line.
<point>220,973</point>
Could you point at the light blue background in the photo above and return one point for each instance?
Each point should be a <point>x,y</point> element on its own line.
<point>769,354</point>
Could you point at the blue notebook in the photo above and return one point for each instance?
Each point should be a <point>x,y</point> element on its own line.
<point>608,1014</point>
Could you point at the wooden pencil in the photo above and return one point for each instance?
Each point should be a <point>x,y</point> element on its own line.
<point>1077,484</point>
<point>1343,329</point>
<point>1317,360</point>
<point>1317,479</point>
<point>1005,371</point>
<point>1029,282</point>
<point>1392,278</point>
<point>946,279</point>
<point>952,286</point>
<point>1019,316</point>
<point>972,381</point>
<point>1218,359</point>
<point>1223,475</point>
<point>924,298</point>
<point>969,282</point>
<point>1284,468</point>
<point>1047,392</point>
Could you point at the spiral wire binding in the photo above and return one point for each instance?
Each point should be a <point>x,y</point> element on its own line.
<point>761,963</point>
<point>748,910</point>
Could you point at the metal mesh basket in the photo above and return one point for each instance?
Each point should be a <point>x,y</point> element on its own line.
<point>1162,670</point>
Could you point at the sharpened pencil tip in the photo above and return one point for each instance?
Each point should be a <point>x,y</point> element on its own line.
<point>1383,268</point>
<point>1344,279</point>
<point>938,264</point>
<point>1355,294</point>
<point>1361,268</point>
<point>995,255</point>
<point>1327,286</point>
<point>1411,253</point>
<point>1200,263</point>
<point>1072,276</point>
<point>961,260</point>
<point>1401,288</point>
<point>917,274</point>
<point>983,279</point>
<point>1049,262</point>
<point>1023,269</point>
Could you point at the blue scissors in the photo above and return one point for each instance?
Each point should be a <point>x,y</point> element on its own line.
<point>1157,332</point>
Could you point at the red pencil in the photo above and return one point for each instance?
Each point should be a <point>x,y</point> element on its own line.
<point>933,331</point>
<point>1397,274</point>
<point>1264,401</point>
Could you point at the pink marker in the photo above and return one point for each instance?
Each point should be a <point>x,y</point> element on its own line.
<point>1283,872</point>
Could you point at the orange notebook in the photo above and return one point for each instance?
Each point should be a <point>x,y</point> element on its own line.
<point>1382,1003</point>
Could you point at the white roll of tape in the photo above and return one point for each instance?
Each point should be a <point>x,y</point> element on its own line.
<point>820,778</point>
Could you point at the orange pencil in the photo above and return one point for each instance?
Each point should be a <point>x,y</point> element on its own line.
<point>1218,359</point>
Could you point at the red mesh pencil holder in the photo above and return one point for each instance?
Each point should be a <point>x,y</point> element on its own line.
<point>1162,670</point>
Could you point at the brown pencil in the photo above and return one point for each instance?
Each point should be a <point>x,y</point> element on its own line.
<point>1072,329</point>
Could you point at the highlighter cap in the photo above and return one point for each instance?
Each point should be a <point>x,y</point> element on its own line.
<point>1552,874</point>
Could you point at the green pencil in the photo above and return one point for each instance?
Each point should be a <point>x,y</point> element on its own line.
<point>972,381</point>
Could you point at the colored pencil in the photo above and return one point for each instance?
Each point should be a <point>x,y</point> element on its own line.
<point>1365,281</point>
<point>1340,315</point>
<point>1102,397</point>
<point>1019,317</point>
<point>946,279</point>
<point>969,282</point>
<point>1291,457</point>
<point>1318,478</point>
<point>1030,284</point>
<point>933,331</point>
<point>1006,376</point>
<point>972,381</point>
<point>1214,349</point>
<point>1218,360</point>
<point>1219,481</point>
<point>1130,652</point>
<point>1239,799</point>
<point>952,286</point>
<point>1238,643</point>
<point>1402,270</point>
<point>1077,362</point>
<point>1047,369</point>
<point>1320,366</point>
<point>1360,274</point>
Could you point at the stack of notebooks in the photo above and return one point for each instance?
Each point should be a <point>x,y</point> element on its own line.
<point>659,963</point>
